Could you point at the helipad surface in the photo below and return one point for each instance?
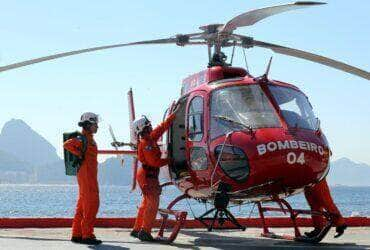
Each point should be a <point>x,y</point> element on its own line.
<point>116,238</point>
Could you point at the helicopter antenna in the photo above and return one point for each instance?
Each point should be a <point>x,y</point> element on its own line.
<point>268,68</point>
<point>245,60</point>
<point>232,54</point>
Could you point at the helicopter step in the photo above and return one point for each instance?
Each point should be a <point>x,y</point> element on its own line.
<point>294,213</point>
<point>180,217</point>
<point>221,213</point>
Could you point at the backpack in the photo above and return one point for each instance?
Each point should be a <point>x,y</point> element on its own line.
<point>72,162</point>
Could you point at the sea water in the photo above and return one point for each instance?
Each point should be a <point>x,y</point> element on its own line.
<point>118,201</point>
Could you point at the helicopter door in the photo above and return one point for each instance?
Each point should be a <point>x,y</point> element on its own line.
<point>196,140</point>
<point>176,141</point>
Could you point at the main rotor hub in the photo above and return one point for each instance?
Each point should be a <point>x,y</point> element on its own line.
<point>211,28</point>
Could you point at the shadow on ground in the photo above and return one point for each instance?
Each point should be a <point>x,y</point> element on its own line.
<point>206,239</point>
<point>202,238</point>
<point>31,238</point>
<point>105,246</point>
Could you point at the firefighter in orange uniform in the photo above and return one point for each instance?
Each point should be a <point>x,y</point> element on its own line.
<point>88,197</point>
<point>319,199</point>
<point>149,155</point>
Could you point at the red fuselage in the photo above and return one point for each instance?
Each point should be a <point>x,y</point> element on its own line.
<point>257,135</point>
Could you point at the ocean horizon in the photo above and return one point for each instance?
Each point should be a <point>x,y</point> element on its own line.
<point>59,200</point>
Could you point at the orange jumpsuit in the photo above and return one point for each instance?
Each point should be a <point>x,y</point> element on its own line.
<point>149,155</point>
<point>88,190</point>
<point>319,199</point>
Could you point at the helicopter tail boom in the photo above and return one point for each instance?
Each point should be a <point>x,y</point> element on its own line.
<point>133,138</point>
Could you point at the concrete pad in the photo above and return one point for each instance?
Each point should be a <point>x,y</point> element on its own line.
<point>115,239</point>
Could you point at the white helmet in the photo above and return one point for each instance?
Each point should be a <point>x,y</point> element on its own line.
<point>141,123</point>
<point>88,117</point>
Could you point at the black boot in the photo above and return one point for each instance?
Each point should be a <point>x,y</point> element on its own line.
<point>144,236</point>
<point>313,233</point>
<point>134,234</point>
<point>75,239</point>
<point>91,241</point>
<point>340,230</point>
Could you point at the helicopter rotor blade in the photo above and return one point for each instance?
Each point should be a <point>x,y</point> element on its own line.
<point>254,16</point>
<point>314,58</point>
<point>175,40</point>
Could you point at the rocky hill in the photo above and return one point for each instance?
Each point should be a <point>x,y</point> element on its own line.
<point>21,141</point>
<point>348,173</point>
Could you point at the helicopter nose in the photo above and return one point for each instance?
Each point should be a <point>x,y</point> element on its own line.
<point>272,155</point>
<point>294,163</point>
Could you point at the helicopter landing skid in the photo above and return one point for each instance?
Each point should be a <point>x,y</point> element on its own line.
<point>294,213</point>
<point>180,217</point>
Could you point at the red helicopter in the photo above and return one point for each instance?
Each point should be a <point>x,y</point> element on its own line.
<point>237,137</point>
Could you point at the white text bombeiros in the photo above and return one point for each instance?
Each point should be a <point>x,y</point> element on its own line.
<point>282,145</point>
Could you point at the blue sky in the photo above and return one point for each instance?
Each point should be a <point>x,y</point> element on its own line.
<point>51,96</point>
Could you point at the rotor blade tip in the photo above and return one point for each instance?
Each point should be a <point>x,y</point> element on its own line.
<point>309,3</point>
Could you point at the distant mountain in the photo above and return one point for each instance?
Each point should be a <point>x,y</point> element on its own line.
<point>21,141</point>
<point>111,172</point>
<point>53,173</point>
<point>12,163</point>
<point>26,157</point>
<point>13,170</point>
<point>348,173</point>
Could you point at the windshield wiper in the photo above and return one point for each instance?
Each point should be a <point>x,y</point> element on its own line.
<point>227,119</point>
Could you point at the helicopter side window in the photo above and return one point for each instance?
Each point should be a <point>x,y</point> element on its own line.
<point>198,159</point>
<point>195,119</point>
<point>295,107</point>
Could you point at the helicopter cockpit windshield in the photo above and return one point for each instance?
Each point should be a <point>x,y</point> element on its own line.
<point>295,108</point>
<point>240,107</point>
